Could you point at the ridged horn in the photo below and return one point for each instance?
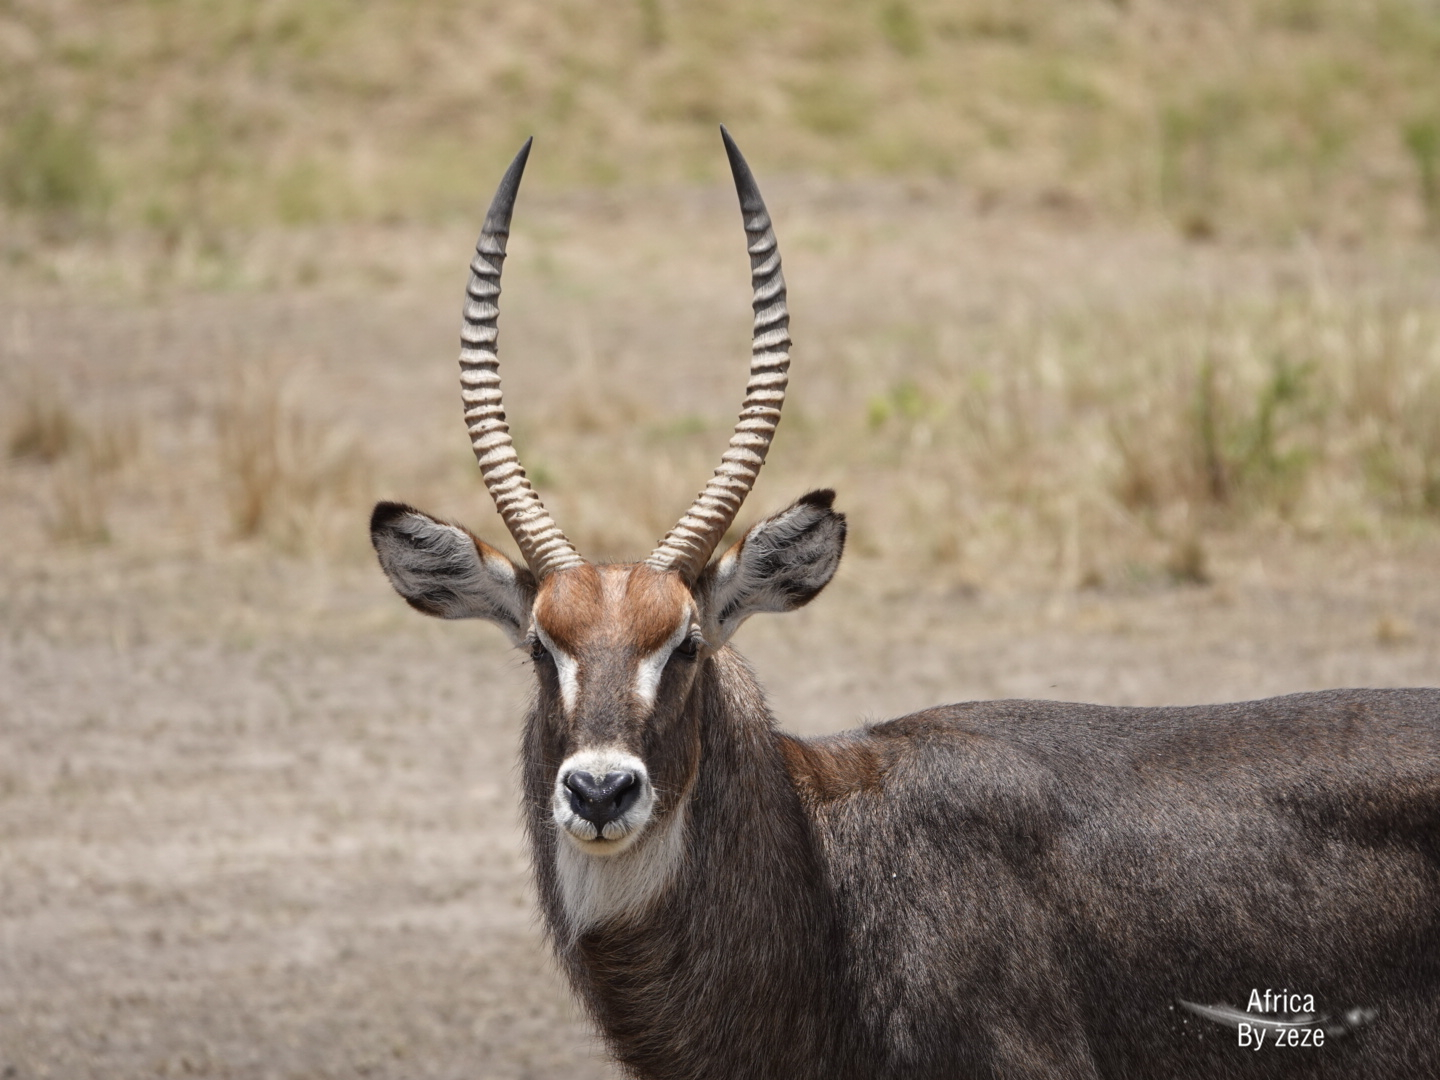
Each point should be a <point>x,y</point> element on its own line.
<point>688,546</point>
<point>541,542</point>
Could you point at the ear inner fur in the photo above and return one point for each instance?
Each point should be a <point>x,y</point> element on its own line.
<point>443,569</point>
<point>780,564</point>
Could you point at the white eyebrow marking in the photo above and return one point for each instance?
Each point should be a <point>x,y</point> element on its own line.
<point>651,667</point>
<point>566,667</point>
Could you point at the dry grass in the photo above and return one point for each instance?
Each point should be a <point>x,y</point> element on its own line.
<point>167,147</point>
<point>1308,412</point>
<point>1000,400</point>
<point>1232,117</point>
<point>43,428</point>
<point>75,460</point>
<point>260,467</point>
<point>283,473</point>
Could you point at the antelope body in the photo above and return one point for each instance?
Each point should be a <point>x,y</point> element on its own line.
<point>1018,889</point>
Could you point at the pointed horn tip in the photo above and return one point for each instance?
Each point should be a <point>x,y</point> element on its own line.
<point>745,185</point>
<point>501,206</point>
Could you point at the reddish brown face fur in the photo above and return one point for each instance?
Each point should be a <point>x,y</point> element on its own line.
<point>629,607</point>
<point>616,653</point>
<point>630,667</point>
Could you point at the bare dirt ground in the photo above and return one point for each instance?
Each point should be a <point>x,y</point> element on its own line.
<point>258,819</point>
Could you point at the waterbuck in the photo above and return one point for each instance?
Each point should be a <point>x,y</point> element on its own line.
<point>1015,889</point>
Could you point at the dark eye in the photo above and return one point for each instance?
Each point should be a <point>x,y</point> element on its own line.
<point>538,652</point>
<point>688,649</point>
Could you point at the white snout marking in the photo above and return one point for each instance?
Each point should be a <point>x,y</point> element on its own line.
<point>616,835</point>
<point>652,666</point>
<point>566,668</point>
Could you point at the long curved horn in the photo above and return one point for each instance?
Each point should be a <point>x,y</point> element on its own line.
<point>688,546</point>
<point>543,545</point>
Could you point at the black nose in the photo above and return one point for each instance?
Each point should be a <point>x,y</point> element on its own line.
<point>603,801</point>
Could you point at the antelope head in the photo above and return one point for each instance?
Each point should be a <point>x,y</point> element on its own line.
<point>617,649</point>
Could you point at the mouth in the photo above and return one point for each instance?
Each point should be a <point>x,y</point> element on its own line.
<point>591,832</point>
<point>602,800</point>
<point>608,838</point>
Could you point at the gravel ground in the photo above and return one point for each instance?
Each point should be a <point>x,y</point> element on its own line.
<point>297,854</point>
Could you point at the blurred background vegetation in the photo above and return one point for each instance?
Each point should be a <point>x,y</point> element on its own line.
<point>1140,274</point>
<point>1236,116</point>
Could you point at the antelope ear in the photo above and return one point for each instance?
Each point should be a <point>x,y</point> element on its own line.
<point>446,571</point>
<point>780,564</point>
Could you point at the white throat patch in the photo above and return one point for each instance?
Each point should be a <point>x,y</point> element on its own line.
<point>597,888</point>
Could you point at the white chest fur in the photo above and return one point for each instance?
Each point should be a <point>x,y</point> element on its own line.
<point>597,888</point>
